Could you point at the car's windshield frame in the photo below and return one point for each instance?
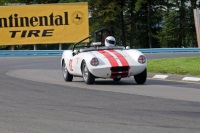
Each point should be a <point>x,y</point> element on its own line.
<point>96,48</point>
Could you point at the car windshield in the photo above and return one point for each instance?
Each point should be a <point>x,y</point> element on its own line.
<point>96,48</point>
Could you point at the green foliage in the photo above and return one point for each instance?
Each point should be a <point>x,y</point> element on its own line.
<point>139,4</point>
<point>107,14</point>
<point>168,35</point>
<point>177,26</point>
<point>183,66</point>
<point>3,2</point>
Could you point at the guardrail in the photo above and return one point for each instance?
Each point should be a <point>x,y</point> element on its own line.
<point>5,53</point>
<point>169,50</point>
<point>8,53</point>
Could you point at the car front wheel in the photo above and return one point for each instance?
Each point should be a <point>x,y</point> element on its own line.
<point>87,76</point>
<point>141,78</point>
<point>116,79</point>
<point>66,75</point>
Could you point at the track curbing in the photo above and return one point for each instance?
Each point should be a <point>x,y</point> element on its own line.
<point>174,77</point>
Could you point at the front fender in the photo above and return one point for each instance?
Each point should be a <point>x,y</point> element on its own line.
<point>87,57</point>
<point>134,54</point>
<point>66,56</point>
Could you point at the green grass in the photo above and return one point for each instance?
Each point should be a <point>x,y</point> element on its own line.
<point>182,66</point>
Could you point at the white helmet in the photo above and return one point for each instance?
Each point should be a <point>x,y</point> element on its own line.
<point>110,41</point>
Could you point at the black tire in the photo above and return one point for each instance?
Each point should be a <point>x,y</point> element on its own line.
<point>66,75</point>
<point>141,78</point>
<point>117,79</point>
<point>87,76</point>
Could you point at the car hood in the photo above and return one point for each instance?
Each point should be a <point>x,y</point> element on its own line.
<point>113,57</point>
<point>110,53</point>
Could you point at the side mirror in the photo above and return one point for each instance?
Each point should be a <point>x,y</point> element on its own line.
<point>96,43</point>
<point>75,52</point>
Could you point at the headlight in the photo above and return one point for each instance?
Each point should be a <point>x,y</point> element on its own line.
<point>142,59</point>
<point>94,62</point>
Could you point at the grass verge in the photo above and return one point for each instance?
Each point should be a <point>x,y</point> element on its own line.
<point>182,66</point>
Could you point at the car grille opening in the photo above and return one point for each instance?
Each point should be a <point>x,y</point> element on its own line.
<point>120,69</point>
<point>119,72</point>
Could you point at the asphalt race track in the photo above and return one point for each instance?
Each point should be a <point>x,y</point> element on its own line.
<point>34,98</point>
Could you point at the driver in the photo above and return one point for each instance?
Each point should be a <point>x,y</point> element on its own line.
<point>110,41</point>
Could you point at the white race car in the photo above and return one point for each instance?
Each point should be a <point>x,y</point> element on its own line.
<point>99,61</point>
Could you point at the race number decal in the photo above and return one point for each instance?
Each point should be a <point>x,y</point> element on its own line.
<point>70,65</point>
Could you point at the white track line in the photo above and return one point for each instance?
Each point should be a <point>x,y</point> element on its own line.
<point>191,79</point>
<point>160,76</point>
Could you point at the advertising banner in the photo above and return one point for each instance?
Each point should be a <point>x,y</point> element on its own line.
<point>43,24</point>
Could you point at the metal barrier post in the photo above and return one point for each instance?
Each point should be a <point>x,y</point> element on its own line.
<point>12,48</point>
<point>35,47</point>
<point>60,46</point>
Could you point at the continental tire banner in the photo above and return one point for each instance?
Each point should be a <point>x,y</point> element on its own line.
<point>43,24</point>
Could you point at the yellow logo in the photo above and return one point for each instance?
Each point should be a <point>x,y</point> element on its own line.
<point>77,17</point>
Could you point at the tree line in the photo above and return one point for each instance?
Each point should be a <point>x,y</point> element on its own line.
<point>138,23</point>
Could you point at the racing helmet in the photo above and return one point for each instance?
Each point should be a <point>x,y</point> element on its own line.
<point>110,41</point>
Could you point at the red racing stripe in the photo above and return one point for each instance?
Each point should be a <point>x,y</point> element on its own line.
<point>110,58</point>
<point>120,57</point>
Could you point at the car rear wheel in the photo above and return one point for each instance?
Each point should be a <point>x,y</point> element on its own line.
<point>66,75</point>
<point>141,78</point>
<point>87,76</point>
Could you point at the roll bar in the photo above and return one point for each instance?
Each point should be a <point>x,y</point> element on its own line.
<point>93,35</point>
